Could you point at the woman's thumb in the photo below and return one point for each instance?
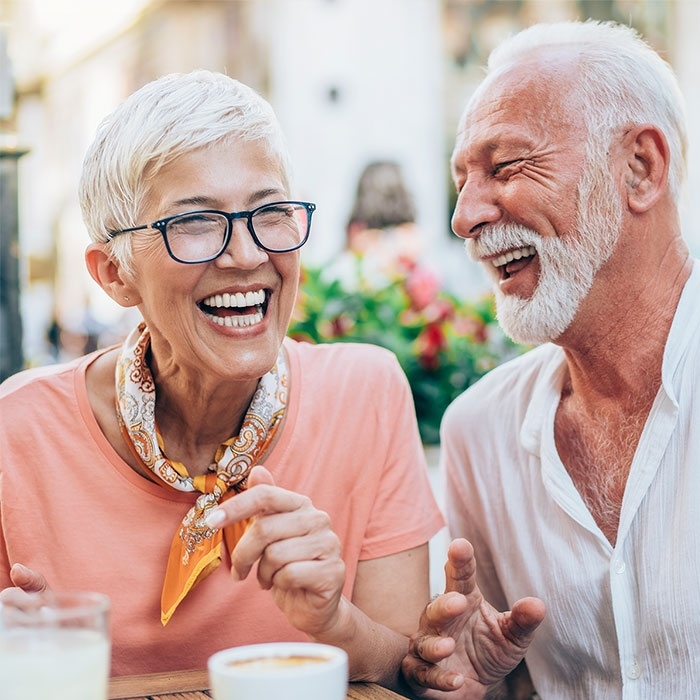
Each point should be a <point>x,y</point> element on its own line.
<point>260,475</point>
<point>27,579</point>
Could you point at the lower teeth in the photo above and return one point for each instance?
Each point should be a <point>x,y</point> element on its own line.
<point>239,321</point>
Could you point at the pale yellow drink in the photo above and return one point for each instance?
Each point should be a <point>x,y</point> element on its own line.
<point>54,646</point>
<point>60,664</point>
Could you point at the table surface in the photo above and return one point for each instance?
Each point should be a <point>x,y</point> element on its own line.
<point>194,685</point>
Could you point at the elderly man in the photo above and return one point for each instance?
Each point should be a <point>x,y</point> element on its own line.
<point>574,470</point>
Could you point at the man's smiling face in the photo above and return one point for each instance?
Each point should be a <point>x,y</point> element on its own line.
<point>533,208</point>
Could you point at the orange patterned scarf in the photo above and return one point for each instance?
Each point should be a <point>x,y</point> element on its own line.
<point>196,549</point>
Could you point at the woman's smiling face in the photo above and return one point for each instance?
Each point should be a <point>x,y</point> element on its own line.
<point>186,306</point>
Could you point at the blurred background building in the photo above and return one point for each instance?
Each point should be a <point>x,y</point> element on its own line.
<point>352,81</point>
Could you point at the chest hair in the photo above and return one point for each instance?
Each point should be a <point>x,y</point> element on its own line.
<point>597,449</point>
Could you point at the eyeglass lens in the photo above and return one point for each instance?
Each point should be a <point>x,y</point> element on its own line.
<point>202,235</point>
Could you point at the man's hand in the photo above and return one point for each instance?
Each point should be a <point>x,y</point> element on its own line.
<point>464,645</point>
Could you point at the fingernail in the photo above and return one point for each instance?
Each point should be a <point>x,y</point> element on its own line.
<point>215,517</point>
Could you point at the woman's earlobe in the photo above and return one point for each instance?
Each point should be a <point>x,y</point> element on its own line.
<point>104,269</point>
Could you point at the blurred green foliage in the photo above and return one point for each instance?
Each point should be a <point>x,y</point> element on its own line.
<point>443,343</point>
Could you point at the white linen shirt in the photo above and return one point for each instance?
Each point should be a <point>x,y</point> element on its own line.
<point>623,621</point>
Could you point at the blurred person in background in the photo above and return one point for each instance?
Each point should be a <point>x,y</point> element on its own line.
<point>383,217</point>
<point>574,469</point>
<point>382,240</point>
<point>137,470</point>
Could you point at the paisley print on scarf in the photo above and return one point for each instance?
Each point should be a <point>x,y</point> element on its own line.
<point>196,549</point>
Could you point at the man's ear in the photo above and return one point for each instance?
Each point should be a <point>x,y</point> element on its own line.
<point>646,165</point>
<point>105,270</point>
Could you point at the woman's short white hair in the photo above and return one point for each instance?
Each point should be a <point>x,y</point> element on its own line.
<point>161,121</point>
<point>622,81</point>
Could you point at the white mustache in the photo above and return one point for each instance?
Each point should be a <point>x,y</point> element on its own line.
<point>498,238</point>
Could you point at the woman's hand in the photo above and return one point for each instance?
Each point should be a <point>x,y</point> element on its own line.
<point>25,581</point>
<point>465,645</point>
<point>298,554</point>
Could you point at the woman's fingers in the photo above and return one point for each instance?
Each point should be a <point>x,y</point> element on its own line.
<point>261,499</point>
<point>284,527</point>
<point>280,552</point>
<point>260,475</point>
<point>298,554</point>
<point>27,579</point>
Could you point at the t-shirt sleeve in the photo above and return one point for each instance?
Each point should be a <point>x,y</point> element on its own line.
<point>405,513</point>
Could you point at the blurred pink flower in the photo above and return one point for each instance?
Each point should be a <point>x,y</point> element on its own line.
<point>422,287</point>
<point>443,343</point>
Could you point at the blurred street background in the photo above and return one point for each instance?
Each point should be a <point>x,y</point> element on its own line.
<point>352,81</point>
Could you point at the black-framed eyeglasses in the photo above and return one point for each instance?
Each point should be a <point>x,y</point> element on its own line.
<point>202,236</point>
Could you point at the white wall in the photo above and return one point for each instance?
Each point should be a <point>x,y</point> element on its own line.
<point>686,60</point>
<point>383,59</point>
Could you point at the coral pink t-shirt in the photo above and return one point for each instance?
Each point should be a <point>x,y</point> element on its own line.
<point>73,510</point>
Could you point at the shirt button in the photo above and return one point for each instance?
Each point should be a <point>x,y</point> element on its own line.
<point>634,670</point>
<point>620,566</point>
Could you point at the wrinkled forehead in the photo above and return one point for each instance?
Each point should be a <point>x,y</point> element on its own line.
<point>536,94</point>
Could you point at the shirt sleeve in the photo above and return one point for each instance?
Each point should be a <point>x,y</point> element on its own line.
<point>465,517</point>
<point>405,513</point>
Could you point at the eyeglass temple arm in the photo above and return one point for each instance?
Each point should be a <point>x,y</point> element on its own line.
<point>114,234</point>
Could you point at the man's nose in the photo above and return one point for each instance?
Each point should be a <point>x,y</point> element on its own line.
<point>476,207</point>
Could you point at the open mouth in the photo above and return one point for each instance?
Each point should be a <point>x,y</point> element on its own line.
<point>236,309</point>
<point>513,261</point>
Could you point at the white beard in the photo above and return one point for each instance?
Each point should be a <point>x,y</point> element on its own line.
<point>568,264</point>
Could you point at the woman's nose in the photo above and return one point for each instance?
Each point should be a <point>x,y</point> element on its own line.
<point>242,250</point>
<point>476,207</point>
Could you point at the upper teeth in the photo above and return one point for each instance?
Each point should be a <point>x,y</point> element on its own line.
<point>513,255</point>
<point>236,300</point>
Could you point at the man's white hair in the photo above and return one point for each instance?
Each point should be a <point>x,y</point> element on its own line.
<point>622,81</point>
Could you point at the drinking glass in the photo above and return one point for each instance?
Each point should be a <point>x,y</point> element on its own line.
<point>55,645</point>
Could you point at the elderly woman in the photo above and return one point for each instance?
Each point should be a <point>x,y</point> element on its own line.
<point>132,471</point>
